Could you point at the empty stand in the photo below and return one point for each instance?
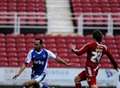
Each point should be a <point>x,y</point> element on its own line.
<point>95,6</point>
<point>22,5</point>
<point>14,49</point>
<point>81,8</point>
<point>9,8</point>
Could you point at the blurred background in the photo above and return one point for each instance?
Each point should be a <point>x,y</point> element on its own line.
<point>58,23</point>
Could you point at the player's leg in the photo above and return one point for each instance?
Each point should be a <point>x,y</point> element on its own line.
<point>92,82</point>
<point>94,86</point>
<point>91,77</point>
<point>41,80</point>
<point>79,78</point>
<point>77,82</point>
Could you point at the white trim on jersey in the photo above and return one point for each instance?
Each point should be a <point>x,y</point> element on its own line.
<point>51,55</point>
<point>89,71</point>
<point>39,78</point>
<point>29,56</point>
<point>28,59</point>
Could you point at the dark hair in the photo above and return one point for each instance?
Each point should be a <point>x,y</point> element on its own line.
<point>40,41</point>
<point>97,35</point>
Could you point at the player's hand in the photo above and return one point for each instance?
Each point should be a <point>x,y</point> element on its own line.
<point>72,47</point>
<point>68,64</point>
<point>14,77</point>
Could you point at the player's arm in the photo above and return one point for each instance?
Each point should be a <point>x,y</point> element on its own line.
<point>60,60</point>
<point>22,68</point>
<point>81,50</point>
<point>108,53</point>
<point>51,55</point>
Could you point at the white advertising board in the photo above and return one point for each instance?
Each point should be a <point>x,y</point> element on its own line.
<point>58,76</point>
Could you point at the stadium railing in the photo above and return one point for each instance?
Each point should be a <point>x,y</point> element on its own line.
<point>85,21</point>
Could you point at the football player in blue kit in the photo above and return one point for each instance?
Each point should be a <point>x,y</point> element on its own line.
<point>39,57</point>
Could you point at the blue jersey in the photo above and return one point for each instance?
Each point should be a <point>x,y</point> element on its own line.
<point>39,60</point>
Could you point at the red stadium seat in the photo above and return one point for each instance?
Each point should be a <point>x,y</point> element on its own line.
<point>10,45</point>
<point>12,6</point>
<point>3,54</point>
<point>12,55</point>
<point>22,55</point>
<point>4,64</point>
<point>21,49</point>
<point>13,64</point>
<point>12,59</point>
<point>2,40</point>
<point>60,39</point>
<point>2,35</point>
<point>10,40</point>
<point>11,49</point>
<point>20,45</point>
<point>3,49</point>
<point>70,39</point>
<point>2,44</point>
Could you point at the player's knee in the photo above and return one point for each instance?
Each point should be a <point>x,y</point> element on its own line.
<point>26,85</point>
<point>77,79</point>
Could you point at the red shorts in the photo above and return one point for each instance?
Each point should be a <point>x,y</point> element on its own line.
<point>90,75</point>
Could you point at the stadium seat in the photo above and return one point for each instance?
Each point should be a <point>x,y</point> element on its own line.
<point>10,40</point>
<point>13,59</point>
<point>2,40</point>
<point>12,55</point>
<point>22,55</point>
<point>21,49</point>
<point>3,49</point>
<point>10,45</point>
<point>3,54</point>
<point>2,35</point>
<point>13,64</point>
<point>60,39</point>
<point>4,64</point>
<point>2,44</point>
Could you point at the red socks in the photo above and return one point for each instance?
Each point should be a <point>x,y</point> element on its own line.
<point>78,85</point>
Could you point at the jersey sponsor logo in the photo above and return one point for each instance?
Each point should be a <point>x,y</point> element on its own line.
<point>39,62</point>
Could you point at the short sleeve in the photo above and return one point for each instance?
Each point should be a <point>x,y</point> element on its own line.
<point>51,55</point>
<point>29,57</point>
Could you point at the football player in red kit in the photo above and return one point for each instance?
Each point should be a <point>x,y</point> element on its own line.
<point>95,50</point>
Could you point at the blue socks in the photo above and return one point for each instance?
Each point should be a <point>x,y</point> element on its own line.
<point>45,85</point>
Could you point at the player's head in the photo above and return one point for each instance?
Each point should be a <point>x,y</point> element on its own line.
<point>97,35</point>
<point>38,44</point>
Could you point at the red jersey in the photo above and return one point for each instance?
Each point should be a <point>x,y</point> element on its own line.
<point>94,52</point>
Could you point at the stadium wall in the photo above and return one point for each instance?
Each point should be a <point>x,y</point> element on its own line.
<point>59,77</point>
<point>49,87</point>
